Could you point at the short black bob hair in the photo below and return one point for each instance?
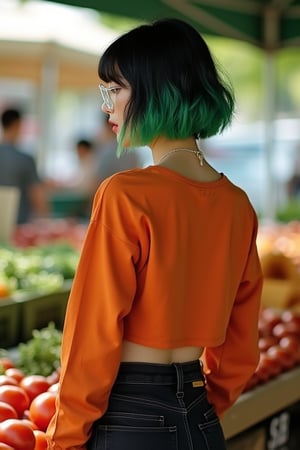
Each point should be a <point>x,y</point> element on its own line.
<point>177,90</point>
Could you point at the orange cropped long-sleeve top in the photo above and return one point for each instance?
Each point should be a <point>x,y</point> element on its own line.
<point>167,262</point>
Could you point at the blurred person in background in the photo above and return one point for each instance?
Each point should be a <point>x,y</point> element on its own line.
<point>83,179</point>
<point>19,169</point>
<point>293,184</point>
<point>87,174</point>
<point>81,184</point>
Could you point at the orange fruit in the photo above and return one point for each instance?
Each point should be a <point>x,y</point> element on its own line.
<point>4,291</point>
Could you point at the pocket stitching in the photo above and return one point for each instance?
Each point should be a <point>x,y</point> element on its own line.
<point>125,398</point>
<point>107,428</point>
<point>128,415</point>
<point>203,426</point>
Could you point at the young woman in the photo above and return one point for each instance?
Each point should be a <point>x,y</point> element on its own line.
<point>160,335</point>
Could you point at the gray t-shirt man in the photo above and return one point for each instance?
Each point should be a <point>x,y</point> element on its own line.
<point>18,169</point>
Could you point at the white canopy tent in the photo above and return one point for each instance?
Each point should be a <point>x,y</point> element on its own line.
<point>54,47</point>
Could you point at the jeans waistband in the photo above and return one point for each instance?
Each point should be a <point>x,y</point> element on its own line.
<point>140,372</point>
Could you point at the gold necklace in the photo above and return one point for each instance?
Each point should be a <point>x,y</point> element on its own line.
<point>198,153</point>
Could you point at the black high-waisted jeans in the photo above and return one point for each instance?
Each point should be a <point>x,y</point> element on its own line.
<point>158,407</point>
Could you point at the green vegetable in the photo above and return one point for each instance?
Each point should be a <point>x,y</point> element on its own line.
<point>41,354</point>
<point>37,269</point>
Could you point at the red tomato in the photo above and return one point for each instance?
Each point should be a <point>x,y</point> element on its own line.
<point>5,446</point>
<point>4,379</point>
<point>266,342</point>
<point>285,329</point>
<point>54,387</point>
<point>6,363</point>
<point>15,373</point>
<point>292,346</point>
<point>290,316</point>
<point>7,412</point>
<point>16,397</point>
<point>17,434</point>
<point>34,385</point>
<point>29,422</point>
<point>42,409</point>
<point>264,328</point>
<point>271,316</point>
<point>40,440</point>
<point>282,357</point>
<point>270,363</point>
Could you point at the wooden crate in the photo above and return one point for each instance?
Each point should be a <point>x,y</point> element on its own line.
<point>36,312</point>
<point>9,323</point>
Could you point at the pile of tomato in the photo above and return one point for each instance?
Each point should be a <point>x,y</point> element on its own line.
<point>27,403</point>
<point>279,343</point>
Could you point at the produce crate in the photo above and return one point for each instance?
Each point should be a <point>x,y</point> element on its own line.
<point>36,312</point>
<point>9,323</point>
<point>266,418</point>
<point>68,204</point>
<point>253,439</point>
<point>278,432</point>
<point>253,407</point>
<point>282,429</point>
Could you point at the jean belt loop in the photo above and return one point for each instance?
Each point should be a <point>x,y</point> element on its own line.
<point>180,380</point>
<point>202,371</point>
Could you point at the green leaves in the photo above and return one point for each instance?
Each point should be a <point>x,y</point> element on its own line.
<point>37,269</point>
<point>41,354</point>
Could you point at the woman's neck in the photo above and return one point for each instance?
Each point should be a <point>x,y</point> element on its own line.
<point>184,157</point>
<point>162,146</point>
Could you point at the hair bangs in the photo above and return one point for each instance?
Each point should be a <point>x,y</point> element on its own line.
<point>108,69</point>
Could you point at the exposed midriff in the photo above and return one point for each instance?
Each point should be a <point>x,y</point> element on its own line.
<point>132,352</point>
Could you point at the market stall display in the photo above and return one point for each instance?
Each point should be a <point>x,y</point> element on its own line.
<point>34,287</point>
<point>279,251</point>
<point>49,231</point>
<point>266,415</point>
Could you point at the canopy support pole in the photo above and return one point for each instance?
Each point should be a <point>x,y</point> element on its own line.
<point>47,100</point>
<point>270,91</point>
<point>271,40</point>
